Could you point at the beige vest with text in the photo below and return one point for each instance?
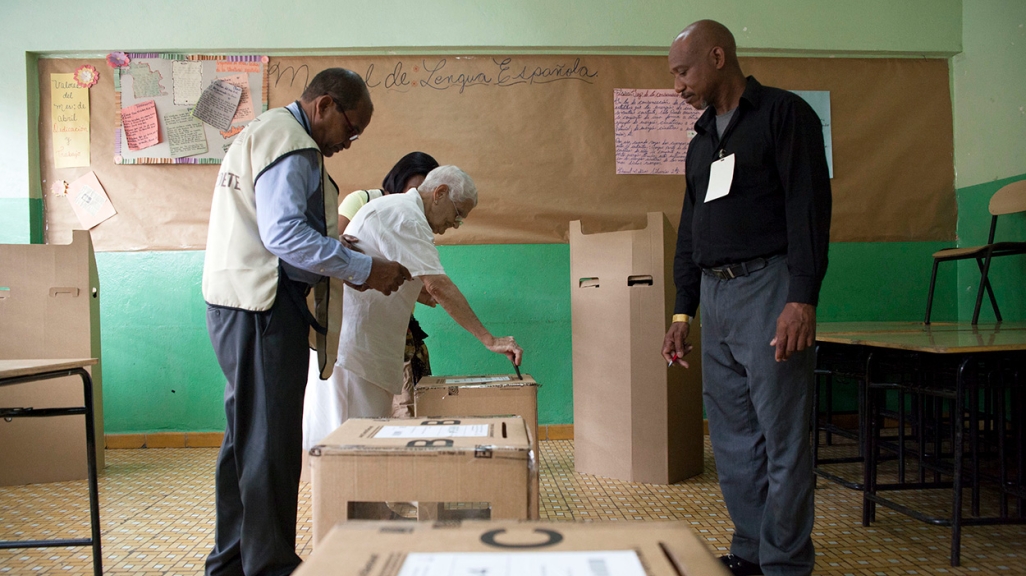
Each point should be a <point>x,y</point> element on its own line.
<point>238,271</point>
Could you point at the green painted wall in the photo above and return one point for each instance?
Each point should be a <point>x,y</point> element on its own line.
<point>522,290</point>
<point>884,281</point>
<point>160,373</point>
<point>159,370</point>
<point>21,220</point>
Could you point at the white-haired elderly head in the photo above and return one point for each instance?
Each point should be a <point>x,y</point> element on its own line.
<point>449,194</point>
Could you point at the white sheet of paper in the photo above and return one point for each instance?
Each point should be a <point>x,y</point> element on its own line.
<point>89,201</point>
<point>483,379</point>
<point>187,82</point>
<point>590,563</point>
<point>720,177</point>
<point>473,431</point>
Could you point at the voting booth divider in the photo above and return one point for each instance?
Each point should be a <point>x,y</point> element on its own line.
<point>49,308</point>
<point>423,469</point>
<point>635,419</point>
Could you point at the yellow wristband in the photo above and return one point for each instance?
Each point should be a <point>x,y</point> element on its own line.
<point>682,318</point>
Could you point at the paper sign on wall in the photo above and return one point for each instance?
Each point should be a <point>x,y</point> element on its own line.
<point>653,129</point>
<point>820,102</point>
<point>245,111</point>
<point>218,103</point>
<point>185,133</point>
<point>89,201</point>
<point>70,114</point>
<point>140,122</point>
<point>186,82</point>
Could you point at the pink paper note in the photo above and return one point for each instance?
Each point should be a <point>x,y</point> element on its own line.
<point>89,201</point>
<point>140,122</point>
<point>245,110</point>
<point>653,130</point>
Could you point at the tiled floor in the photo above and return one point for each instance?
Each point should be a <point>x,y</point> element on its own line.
<point>157,515</point>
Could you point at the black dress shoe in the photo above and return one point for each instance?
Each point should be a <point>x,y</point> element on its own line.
<point>738,566</point>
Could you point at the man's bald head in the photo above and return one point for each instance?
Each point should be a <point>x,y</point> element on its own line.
<point>703,61</point>
<point>705,35</point>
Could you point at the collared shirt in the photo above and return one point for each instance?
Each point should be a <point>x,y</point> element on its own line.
<point>290,216</point>
<point>374,326</point>
<point>779,200</point>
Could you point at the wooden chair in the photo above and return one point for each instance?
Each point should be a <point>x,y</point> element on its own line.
<point>1009,199</point>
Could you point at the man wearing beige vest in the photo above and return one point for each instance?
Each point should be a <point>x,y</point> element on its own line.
<point>272,236</point>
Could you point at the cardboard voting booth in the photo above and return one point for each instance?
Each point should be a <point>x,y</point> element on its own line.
<point>423,469</point>
<point>510,548</point>
<point>635,419</point>
<point>49,308</point>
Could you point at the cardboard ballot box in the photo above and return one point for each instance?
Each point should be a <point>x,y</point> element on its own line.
<point>428,469</point>
<point>487,395</point>
<point>511,549</point>
<point>634,418</point>
<point>49,308</point>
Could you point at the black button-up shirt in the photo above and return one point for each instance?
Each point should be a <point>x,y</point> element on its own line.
<point>779,200</point>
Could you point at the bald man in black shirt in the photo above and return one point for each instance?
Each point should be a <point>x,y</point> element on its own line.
<point>752,245</point>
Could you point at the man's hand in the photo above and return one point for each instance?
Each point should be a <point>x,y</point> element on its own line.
<point>386,276</point>
<point>426,298</point>
<point>675,346</point>
<point>508,346</point>
<point>350,242</point>
<point>796,330</point>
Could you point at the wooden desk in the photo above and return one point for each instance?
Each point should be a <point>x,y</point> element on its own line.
<point>946,367</point>
<point>26,371</point>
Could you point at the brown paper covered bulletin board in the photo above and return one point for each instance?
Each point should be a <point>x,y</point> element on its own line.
<point>536,134</point>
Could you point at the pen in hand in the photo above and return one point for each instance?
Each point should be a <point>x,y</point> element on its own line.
<point>675,358</point>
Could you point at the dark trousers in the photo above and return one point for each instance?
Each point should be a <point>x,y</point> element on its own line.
<point>759,412</point>
<point>264,356</point>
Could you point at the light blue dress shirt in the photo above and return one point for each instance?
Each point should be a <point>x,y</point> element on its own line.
<point>289,215</point>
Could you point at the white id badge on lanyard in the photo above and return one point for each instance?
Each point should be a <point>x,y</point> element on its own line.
<point>720,176</point>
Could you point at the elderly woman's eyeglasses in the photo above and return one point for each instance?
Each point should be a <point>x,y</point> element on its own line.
<point>459,217</point>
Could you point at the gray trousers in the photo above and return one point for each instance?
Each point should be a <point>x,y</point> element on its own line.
<point>759,412</point>
<point>264,356</point>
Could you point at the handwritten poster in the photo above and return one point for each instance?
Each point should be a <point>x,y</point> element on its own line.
<point>653,129</point>
<point>217,104</point>
<point>140,122</point>
<point>145,82</point>
<point>245,110</point>
<point>182,79</point>
<point>820,102</point>
<point>89,201</point>
<point>186,82</point>
<point>185,134</point>
<point>70,113</point>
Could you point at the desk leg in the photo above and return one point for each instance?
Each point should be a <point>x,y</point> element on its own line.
<point>869,441</point>
<point>94,488</point>
<point>956,421</point>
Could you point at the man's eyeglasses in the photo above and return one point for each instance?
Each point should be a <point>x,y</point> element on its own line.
<point>356,133</point>
<point>459,217</point>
